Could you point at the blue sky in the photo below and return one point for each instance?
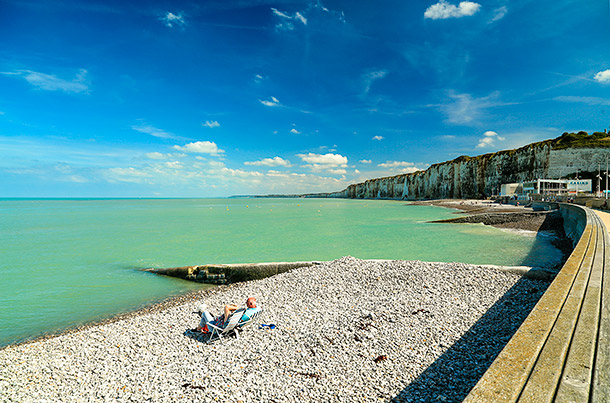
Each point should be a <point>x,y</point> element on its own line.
<point>217,98</point>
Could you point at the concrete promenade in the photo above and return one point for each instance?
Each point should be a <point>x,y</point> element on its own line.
<point>561,352</point>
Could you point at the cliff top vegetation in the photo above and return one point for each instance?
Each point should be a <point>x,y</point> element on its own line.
<point>582,140</point>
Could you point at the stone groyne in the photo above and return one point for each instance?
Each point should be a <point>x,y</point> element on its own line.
<point>229,273</point>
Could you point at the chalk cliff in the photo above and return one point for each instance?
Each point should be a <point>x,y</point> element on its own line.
<point>482,176</point>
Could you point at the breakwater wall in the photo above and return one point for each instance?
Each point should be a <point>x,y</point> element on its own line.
<point>229,273</point>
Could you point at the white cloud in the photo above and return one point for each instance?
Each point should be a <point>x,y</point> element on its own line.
<point>603,77</point>
<point>274,102</point>
<point>499,13</point>
<point>396,164</point>
<point>280,14</point>
<point>583,100</point>
<point>443,10</point>
<point>50,82</point>
<point>170,20</point>
<point>378,138</point>
<point>330,163</point>
<point>300,17</point>
<point>201,147</point>
<point>211,124</point>
<point>156,156</point>
<point>324,159</point>
<point>287,20</point>
<point>270,162</point>
<point>489,139</point>
<point>173,165</point>
<point>155,132</point>
<point>217,164</point>
<point>365,161</point>
<point>294,131</point>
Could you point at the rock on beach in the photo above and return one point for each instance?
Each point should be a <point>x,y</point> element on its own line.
<point>349,330</point>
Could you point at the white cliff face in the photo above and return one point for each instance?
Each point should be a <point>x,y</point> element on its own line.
<point>478,177</point>
<point>566,162</point>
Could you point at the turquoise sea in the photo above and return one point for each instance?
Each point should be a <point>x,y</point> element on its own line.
<point>69,261</point>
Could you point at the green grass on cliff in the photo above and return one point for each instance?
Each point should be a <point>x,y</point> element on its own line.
<point>582,140</point>
<point>566,140</point>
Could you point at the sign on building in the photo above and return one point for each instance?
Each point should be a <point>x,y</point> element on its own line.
<point>580,185</point>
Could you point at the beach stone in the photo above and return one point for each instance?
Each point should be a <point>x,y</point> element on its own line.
<point>438,325</point>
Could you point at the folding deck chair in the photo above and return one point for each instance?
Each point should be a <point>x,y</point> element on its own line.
<point>243,323</point>
<point>220,332</point>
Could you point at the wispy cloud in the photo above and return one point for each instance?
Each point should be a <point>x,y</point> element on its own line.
<point>211,124</point>
<point>372,76</point>
<point>258,79</point>
<point>172,20</point>
<point>466,109</point>
<point>156,156</point>
<point>583,100</point>
<point>201,147</point>
<point>378,138</point>
<point>287,21</point>
<point>603,77</point>
<point>365,161</point>
<point>489,139</point>
<point>315,11</point>
<point>270,162</point>
<point>499,13</point>
<point>130,175</point>
<point>50,82</point>
<point>443,10</point>
<point>294,131</point>
<point>273,102</point>
<point>155,132</point>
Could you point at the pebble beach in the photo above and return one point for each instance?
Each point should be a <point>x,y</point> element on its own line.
<point>349,330</point>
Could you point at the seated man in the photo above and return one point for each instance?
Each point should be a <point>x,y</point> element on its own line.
<point>219,321</point>
<point>251,309</point>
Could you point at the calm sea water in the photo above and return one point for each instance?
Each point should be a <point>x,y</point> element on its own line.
<point>66,262</point>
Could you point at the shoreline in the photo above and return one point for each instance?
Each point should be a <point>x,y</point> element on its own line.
<point>464,207</point>
<point>509,218</point>
<point>426,319</point>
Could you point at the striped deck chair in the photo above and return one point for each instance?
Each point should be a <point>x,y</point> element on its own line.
<point>217,332</point>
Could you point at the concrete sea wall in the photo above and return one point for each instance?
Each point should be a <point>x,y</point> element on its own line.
<point>574,221</point>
